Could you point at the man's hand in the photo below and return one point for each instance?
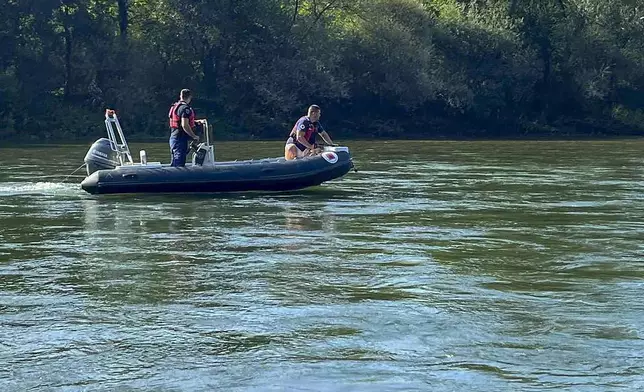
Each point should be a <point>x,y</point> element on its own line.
<point>313,151</point>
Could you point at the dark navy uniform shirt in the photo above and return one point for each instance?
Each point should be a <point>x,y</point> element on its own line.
<point>310,129</point>
<point>183,111</point>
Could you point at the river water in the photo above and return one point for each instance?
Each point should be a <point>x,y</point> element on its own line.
<point>439,266</point>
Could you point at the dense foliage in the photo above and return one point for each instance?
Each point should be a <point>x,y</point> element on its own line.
<point>378,68</point>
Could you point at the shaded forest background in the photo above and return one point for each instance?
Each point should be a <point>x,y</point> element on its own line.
<point>378,68</point>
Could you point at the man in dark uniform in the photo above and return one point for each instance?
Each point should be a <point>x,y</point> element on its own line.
<point>182,128</point>
<point>301,140</point>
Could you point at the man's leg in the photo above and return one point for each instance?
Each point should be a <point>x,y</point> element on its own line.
<point>290,152</point>
<point>179,151</point>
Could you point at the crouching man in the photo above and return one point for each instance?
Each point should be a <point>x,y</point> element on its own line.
<point>301,140</point>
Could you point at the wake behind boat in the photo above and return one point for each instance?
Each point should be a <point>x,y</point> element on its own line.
<point>111,169</point>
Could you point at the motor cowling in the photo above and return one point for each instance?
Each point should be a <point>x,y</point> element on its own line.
<point>100,156</point>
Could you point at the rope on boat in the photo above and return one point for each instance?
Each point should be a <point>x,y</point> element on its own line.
<point>72,173</point>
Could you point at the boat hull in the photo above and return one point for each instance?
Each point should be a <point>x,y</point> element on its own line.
<point>274,174</point>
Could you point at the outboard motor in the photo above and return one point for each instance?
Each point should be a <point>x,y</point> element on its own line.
<point>101,156</point>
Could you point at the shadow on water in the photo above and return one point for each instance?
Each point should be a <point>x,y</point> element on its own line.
<point>321,193</point>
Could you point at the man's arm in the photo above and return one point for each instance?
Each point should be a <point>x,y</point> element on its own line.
<point>300,138</point>
<point>325,136</point>
<point>185,124</point>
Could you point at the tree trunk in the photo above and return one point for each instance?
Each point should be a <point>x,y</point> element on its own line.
<point>123,19</point>
<point>68,62</point>
<point>210,69</point>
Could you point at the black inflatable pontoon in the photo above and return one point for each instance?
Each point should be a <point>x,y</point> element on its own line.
<point>110,169</point>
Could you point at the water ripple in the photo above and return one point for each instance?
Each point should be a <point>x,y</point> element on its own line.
<point>438,266</point>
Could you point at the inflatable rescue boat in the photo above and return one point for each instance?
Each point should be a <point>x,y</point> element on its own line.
<point>111,169</point>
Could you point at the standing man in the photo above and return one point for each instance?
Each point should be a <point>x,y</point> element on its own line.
<point>301,140</point>
<point>182,128</point>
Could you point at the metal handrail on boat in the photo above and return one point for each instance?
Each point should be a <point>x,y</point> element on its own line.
<point>119,145</point>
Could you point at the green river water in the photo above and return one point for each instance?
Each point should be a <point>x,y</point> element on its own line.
<point>439,266</point>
